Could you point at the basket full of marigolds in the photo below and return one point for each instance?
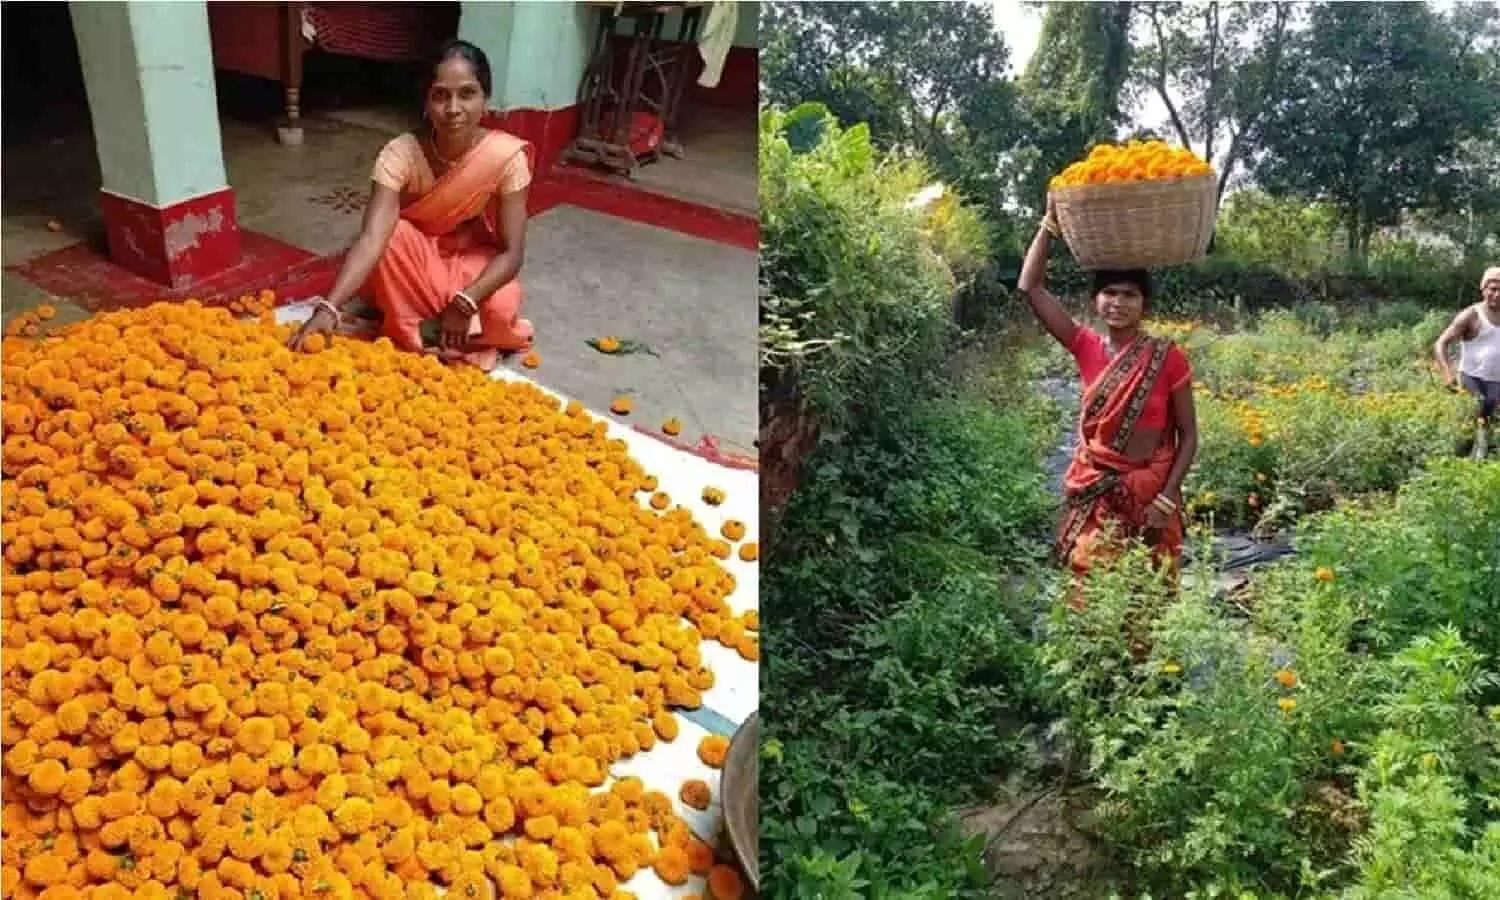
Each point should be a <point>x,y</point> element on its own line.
<point>1141,204</point>
<point>338,624</point>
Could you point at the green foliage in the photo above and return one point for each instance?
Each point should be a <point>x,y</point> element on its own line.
<point>927,77</point>
<point>856,302</point>
<point>1377,103</point>
<point>1420,777</point>
<point>888,562</point>
<point>1226,287</point>
<point>1330,744</point>
<point>1299,238</point>
<point>1207,783</point>
<point>1429,558</point>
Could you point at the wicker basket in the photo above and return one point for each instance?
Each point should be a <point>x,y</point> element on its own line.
<point>1139,224</point>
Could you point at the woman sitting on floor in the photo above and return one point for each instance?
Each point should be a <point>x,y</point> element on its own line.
<point>1138,430</point>
<point>445,229</point>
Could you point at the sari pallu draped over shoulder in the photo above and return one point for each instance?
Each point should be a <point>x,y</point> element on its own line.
<point>471,190</point>
<point>1103,487</point>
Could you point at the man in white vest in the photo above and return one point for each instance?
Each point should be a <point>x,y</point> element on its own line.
<point>1478,330</point>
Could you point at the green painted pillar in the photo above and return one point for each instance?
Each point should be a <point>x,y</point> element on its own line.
<point>537,50</point>
<point>148,70</point>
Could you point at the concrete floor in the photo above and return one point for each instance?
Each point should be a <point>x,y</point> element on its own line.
<point>691,301</point>
<point>719,161</point>
<point>587,275</point>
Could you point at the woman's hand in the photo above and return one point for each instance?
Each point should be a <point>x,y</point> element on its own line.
<point>454,325</point>
<point>1159,512</point>
<point>324,320</point>
<point>1049,218</point>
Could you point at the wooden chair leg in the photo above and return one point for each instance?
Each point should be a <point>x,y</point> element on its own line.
<point>290,133</point>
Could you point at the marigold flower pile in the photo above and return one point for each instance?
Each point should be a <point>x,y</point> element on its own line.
<point>334,624</point>
<point>1129,162</point>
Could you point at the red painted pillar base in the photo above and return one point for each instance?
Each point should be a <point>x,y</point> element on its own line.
<point>175,245</point>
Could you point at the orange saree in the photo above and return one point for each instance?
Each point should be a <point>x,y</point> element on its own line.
<point>445,238</point>
<point>1106,492</point>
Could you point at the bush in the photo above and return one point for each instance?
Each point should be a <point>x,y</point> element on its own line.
<point>895,649</point>
<point>1210,742</point>
<point>1421,779</point>
<point>856,280</point>
<point>1429,558</point>
<point>1227,289</point>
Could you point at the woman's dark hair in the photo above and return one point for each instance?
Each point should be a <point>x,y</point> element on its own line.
<point>457,49</point>
<point>1140,279</point>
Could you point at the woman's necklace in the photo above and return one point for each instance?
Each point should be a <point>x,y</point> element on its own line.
<point>438,154</point>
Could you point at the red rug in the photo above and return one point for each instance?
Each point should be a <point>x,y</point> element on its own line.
<point>83,273</point>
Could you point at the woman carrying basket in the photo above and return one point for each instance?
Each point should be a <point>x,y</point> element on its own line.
<point>1138,431</point>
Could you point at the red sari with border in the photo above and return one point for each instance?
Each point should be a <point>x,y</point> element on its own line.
<point>1106,493</point>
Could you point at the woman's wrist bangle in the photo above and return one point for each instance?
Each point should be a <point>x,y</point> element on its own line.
<point>1164,503</point>
<point>330,308</point>
<point>466,302</point>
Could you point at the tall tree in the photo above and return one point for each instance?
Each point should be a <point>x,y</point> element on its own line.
<point>1468,209</point>
<point>1379,98</point>
<point>1217,68</point>
<point>1073,87</point>
<point>926,77</point>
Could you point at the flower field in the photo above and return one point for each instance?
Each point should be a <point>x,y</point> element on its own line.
<point>349,623</point>
<point>1336,736</point>
<point>1332,729</point>
<point>1294,418</point>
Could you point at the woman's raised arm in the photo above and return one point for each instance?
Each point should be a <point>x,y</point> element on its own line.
<point>1033,283</point>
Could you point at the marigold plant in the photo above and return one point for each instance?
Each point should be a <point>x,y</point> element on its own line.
<point>346,623</point>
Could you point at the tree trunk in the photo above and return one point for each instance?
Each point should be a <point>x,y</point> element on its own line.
<point>1355,261</point>
<point>1210,111</point>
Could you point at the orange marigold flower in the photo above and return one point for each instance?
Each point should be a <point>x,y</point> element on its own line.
<point>695,793</point>
<point>672,866</point>
<point>712,750</point>
<point>724,883</point>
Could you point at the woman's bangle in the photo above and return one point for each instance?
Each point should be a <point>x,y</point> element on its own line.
<point>467,302</point>
<point>330,308</point>
<point>1164,503</point>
